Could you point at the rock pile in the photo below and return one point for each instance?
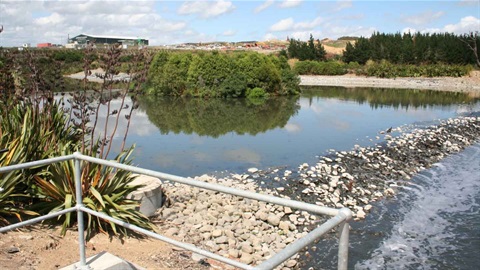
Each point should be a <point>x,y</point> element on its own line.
<point>355,178</point>
<point>252,231</point>
<point>247,230</point>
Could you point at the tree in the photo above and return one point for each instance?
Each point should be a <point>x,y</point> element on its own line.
<point>320,52</point>
<point>310,50</point>
<point>471,41</point>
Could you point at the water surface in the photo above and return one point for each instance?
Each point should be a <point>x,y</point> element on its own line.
<point>194,136</point>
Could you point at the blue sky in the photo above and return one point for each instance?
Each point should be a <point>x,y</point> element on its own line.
<point>173,22</point>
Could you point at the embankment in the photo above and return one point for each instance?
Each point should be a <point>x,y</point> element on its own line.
<point>470,84</point>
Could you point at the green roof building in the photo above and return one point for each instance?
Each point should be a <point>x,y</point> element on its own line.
<point>84,39</point>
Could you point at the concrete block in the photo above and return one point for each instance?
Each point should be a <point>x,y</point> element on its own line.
<point>150,196</point>
<point>105,261</point>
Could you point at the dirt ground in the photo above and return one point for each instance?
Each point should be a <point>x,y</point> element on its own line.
<point>43,248</point>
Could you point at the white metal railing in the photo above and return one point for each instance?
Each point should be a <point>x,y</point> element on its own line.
<point>340,218</point>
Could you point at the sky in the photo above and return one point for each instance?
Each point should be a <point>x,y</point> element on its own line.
<point>175,22</point>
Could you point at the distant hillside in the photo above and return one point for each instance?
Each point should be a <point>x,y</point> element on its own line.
<point>336,47</point>
<point>332,47</point>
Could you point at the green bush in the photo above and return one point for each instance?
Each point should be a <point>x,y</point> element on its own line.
<point>68,56</point>
<point>256,93</point>
<point>233,86</point>
<point>320,68</point>
<point>385,69</point>
<point>214,74</point>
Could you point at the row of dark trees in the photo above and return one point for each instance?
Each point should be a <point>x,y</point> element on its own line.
<point>310,50</point>
<point>415,48</point>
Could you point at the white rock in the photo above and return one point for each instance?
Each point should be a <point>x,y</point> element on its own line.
<point>216,233</point>
<point>234,253</point>
<point>273,219</point>
<point>246,258</point>
<point>389,191</point>
<point>360,214</point>
<point>348,176</point>
<point>284,225</point>
<point>291,263</point>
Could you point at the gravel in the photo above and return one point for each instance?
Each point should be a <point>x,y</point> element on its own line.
<point>463,84</point>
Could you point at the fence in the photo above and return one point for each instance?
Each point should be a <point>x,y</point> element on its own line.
<point>340,216</point>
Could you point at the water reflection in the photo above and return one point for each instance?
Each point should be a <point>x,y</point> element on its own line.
<point>216,117</point>
<point>396,98</point>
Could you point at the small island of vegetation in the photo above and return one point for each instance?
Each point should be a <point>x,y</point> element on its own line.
<point>215,74</point>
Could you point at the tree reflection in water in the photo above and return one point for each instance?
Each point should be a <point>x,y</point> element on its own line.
<point>216,117</point>
<point>396,98</point>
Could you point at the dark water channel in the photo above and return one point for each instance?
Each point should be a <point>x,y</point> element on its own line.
<point>431,224</point>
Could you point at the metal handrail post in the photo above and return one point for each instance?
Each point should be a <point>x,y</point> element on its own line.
<point>296,246</point>
<point>343,241</point>
<point>80,224</point>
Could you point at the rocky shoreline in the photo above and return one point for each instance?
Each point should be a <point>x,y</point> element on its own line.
<point>252,231</point>
<point>467,84</point>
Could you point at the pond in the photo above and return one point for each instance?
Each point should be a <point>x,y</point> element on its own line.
<point>190,137</point>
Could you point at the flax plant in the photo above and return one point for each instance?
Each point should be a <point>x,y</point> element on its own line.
<point>104,189</point>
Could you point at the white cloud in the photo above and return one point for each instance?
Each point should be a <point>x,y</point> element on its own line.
<point>309,24</point>
<point>270,36</point>
<point>283,25</point>
<point>343,4</point>
<point>293,127</point>
<point>53,19</point>
<point>99,7</point>
<point>423,18</point>
<point>263,6</point>
<point>206,9</point>
<point>190,35</point>
<point>335,32</point>
<point>290,3</point>
<point>409,30</point>
<point>289,24</point>
<point>305,35</point>
<point>466,24</point>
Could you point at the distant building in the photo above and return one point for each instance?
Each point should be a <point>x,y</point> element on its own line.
<point>83,39</point>
<point>44,45</point>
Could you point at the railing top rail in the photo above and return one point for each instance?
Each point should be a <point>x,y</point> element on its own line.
<point>215,187</point>
<point>36,163</point>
